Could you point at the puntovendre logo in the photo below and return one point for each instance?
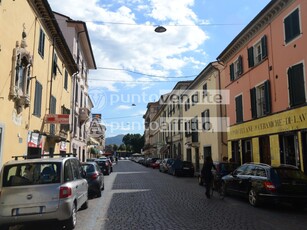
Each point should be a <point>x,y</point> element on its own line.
<point>201,97</point>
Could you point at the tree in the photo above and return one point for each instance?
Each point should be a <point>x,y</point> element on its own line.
<point>134,141</point>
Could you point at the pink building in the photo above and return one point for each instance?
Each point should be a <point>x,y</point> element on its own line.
<point>265,71</point>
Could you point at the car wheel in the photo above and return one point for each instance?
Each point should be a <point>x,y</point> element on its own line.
<point>200,180</point>
<point>85,205</point>
<point>72,221</point>
<point>253,197</point>
<point>98,193</point>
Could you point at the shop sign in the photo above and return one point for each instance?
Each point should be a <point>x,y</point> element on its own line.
<point>57,118</point>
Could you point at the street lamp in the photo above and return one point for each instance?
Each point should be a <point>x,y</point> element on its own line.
<point>160,29</point>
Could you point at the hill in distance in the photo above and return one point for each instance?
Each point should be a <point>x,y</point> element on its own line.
<point>117,140</point>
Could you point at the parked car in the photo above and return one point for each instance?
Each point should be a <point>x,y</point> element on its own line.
<point>261,182</point>
<point>42,189</point>
<point>156,164</point>
<point>181,168</point>
<point>222,169</point>
<point>151,161</point>
<point>94,177</point>
<point>104,165</point>
<point>165,164</point>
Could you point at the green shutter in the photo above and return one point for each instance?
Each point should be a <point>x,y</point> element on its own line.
<point>264,46</point>
<point>267,92</point>
<point>250,52</point>
<point>239,109</point>
<point>253,102</point>
<point>232,72</point>
<point>296,85</point>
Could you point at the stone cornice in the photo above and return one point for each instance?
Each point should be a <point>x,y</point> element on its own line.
<point>266,16</point>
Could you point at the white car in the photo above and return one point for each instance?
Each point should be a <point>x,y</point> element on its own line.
<point>42,189</point>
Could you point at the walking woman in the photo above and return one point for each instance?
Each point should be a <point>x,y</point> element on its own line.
<point>207,174</point>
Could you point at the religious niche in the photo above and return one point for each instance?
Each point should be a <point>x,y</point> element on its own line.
<point>21,75</point>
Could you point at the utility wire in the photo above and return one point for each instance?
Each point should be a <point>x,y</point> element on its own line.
<point>139,73</point>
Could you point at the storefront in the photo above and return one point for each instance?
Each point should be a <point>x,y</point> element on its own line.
<point>277,139</point>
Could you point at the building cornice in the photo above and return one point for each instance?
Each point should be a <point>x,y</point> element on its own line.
<point>265,17</point>
<point>47,18</point>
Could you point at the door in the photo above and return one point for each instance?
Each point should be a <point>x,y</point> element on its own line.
<point>264,148</point>
<point>289,153</point>
<point>197,160</point>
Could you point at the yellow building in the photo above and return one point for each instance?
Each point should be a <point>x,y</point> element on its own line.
<point>35,76</point>
<point>204,117</point>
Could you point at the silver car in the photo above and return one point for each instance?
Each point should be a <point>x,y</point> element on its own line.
<point>42,189</point>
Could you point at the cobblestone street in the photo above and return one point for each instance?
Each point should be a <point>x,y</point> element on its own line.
<point>136,198</point>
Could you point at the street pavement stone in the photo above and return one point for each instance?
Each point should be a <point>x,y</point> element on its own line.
<point>140,198</point>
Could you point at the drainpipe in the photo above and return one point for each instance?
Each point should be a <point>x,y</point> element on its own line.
<point>220,106</point>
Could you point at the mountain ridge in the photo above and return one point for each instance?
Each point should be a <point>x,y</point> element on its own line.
<point>117,140</point>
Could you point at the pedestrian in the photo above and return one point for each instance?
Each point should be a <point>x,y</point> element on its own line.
<point>207,174</point>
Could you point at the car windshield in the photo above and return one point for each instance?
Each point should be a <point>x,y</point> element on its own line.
<point>31,173</point>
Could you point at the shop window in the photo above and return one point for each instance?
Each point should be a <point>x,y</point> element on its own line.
<point>296,84</point>
<point>239,109</point>
<point>292,26</point>
<point>236,68</point>
<point>261,100</point>
<point>257,52</point>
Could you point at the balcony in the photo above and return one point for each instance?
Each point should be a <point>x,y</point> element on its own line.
<point>84,114</point>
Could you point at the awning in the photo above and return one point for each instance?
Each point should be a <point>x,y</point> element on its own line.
<point>94,141</point>
<point>164,149</point>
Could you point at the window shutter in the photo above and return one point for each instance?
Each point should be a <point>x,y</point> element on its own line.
<point>296,85</point>
<point>240,71</point>
<point>232,72</point>
<point>264,47</point>
<point>55,60</point>
<point>253,102</point>
<point>267,92</point>
<point>37,99</point>
<point>250,52</point>
<point>239,109</point>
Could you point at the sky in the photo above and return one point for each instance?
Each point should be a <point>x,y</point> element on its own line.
<point>135,65</point>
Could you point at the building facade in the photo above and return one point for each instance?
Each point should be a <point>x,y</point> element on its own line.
<point>36,72</point>
<point>265,73</point>
<point>204,117</point>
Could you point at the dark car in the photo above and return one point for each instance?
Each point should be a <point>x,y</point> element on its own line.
<point>104,165</point>
<point>181,168</point>
<point>94,177</point>
<point>222,169</point>
<point>156,164</point>
<point>261,182</point>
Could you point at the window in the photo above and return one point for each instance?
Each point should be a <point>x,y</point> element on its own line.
<point>239,109</point>
<point>296,85</point>
<point>52,111</point>
<point>38,99</point>
<point>206,125</point>
<point>258,52</point>
<point>194,99</point>
<point>66,80</point>
<point>261,100</point>
<point>41,45</point>
<point>187,105</point>
<point>236,69</point>
<point>292,26</point>
<point>55,65</point>
<point>205,90</point>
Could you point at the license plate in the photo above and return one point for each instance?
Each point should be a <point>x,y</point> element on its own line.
<point>26,211</point>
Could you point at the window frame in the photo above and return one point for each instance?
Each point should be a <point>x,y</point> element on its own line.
<point>289,19</point>
<point>41,44</point>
